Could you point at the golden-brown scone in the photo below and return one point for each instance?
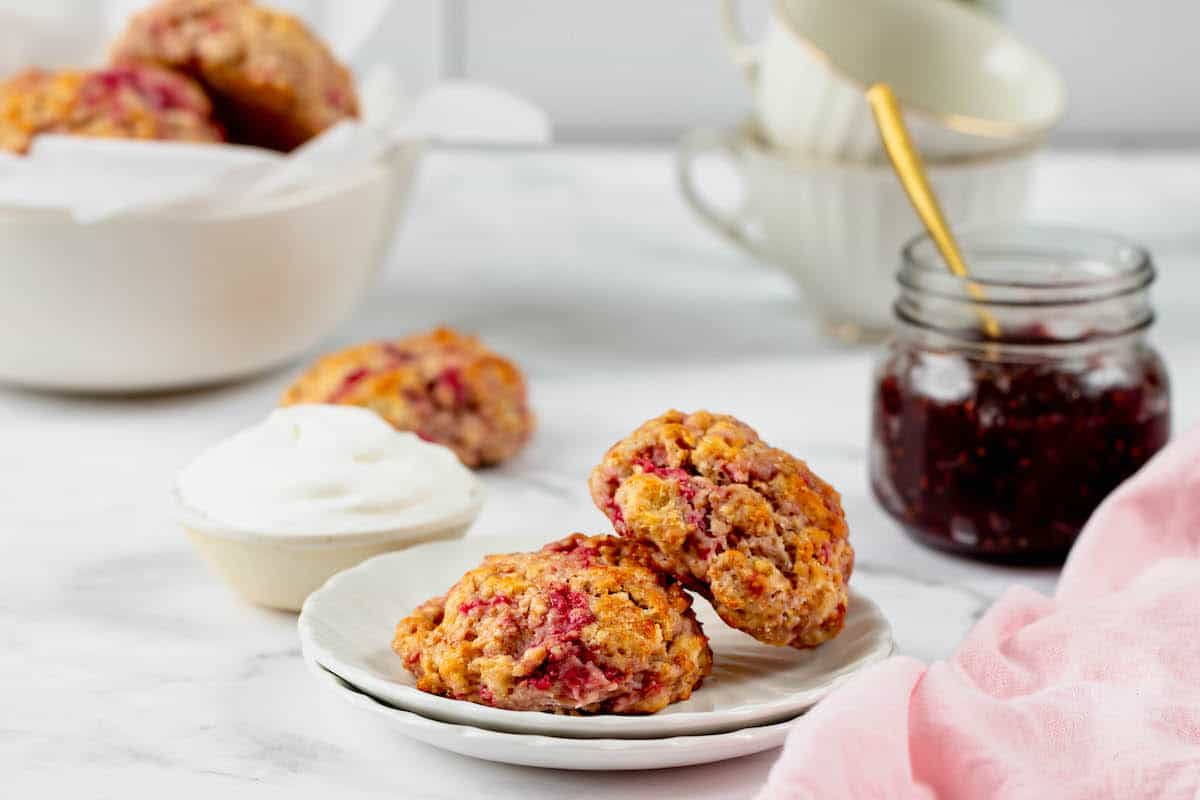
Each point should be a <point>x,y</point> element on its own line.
<point>748,526</point>
<point>138,102</point>
<point>446,387</point>
<point>581,626</point>
<point>275,84</point>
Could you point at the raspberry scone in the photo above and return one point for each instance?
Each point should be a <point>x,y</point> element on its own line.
<point>582,626</point>
<point>747,526</point>
<point>443,386</point>
<point>140,102</point>
<point>275,84</point>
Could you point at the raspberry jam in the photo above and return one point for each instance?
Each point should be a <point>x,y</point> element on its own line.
<point>1001,448</point>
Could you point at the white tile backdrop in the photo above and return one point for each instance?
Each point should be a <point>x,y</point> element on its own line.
<point>634,70</point>
<point>641,70</point>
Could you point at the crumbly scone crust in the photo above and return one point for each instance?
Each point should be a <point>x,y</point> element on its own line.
<point>276,84</point>
<point>746,525</point>
<point>582,626</point>
<point>141,102</point>
<point>444,386</point>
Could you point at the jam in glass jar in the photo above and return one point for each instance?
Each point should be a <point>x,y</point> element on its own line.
<point>1000,446</point>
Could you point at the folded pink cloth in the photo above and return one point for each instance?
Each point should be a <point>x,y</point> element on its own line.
<point>1092,694</point>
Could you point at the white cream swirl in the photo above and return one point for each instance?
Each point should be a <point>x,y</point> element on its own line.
<point>324,469</point>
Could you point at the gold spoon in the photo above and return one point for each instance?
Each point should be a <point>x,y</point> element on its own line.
<point>910,170</point>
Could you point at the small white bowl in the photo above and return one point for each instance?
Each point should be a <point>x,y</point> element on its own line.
<point>281,571</point>
<point>967,84</point>
<point>179,299</point>
<point>836,228</point>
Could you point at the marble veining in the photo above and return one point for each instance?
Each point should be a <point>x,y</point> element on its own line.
<point>127,671</point>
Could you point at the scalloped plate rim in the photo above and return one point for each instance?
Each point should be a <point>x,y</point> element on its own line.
<point>549,752</point>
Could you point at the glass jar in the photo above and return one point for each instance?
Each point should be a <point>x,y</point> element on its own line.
<point>1000,446</point>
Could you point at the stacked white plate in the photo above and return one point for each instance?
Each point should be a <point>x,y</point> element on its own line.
<point>745,706</point>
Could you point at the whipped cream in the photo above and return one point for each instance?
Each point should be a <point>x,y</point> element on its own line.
<point>325,469</point>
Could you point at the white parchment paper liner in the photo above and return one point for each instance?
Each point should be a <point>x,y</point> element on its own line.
<point>98,179</point>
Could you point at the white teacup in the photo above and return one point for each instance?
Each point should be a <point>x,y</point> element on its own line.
<point>967,85</point>
<point>837,228</point>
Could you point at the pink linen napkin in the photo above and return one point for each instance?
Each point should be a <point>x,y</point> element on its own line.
<point>1092,694</point>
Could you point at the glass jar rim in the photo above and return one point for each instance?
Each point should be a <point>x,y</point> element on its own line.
<point>1107,266</point>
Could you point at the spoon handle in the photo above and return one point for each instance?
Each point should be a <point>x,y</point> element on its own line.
<point>910,170</point>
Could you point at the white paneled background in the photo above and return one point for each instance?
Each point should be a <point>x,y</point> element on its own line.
<point>632,70</point>
<point>646,70</point>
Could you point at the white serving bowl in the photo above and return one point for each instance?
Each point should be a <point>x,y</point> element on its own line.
<point>179,299</point>
<point>836,228</point>
<point>281,571</point>
<point>967,84</point>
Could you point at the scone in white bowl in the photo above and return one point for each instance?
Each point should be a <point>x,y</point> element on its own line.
<point>280,507</point>
<point>178,299</point>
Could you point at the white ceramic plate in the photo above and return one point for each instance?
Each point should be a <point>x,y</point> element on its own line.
<point>379,722</point>
<point>347,625</point>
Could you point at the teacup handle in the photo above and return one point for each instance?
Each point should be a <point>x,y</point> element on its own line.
<point>745,54</point>
<point>727,224</point>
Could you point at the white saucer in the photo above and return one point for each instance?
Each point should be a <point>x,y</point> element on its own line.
<point>379,722</point>
<point>346,626</point>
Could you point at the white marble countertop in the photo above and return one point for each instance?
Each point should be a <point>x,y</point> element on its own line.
<point>126,670</point>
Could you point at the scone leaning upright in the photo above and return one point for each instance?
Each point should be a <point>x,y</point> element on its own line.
<point>275,84</point>
<point>582,626</point>
<point>746,525</point>
<point>446,387</point>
